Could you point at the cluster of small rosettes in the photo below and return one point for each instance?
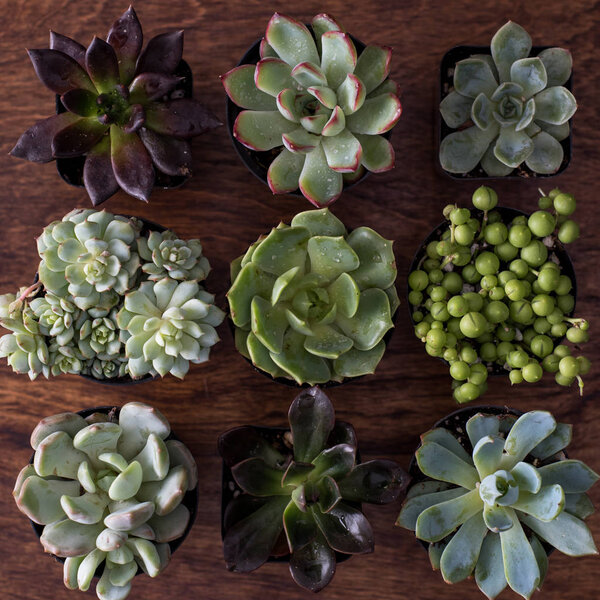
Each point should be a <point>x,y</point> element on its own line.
<point>491,292</point>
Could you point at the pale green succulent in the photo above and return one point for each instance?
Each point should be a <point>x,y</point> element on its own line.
<point>311,302</point>
<point>90,255</point>
<point>168,256</point>
<point>516,106</point>
<point>56,317</point>
<point>168,324</point>
<point>482,488</point>
<point>65,360</point>
<point>99,337</point>
<point>106,369</point>
<point>108,492</point>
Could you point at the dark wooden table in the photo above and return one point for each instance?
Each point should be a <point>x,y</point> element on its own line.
<point>227,208</point>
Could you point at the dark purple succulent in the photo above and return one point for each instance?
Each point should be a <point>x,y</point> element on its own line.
<point>120,113</point>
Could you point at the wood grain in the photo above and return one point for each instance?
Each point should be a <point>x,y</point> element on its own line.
<point>227,208</point>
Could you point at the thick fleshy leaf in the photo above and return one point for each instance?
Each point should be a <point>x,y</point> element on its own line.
<point>327,342</point>
<point>138,421</point>
<point>527,477</point>
<point>346,529</point>
<point>287,104</point>
<point>335,124</point>
<point>579,505</point>
<point>39,498</point>
<point>166,494</point>
<point>126,37</point>
<point>299,364</point>
<point>68,46</point>
<point>555,105</point>
<point>248,544</point>
<point>241,89</point>
<point>311,417</point>
<point>35,144</point>
<point>492,166</point>
<point>530,74</point>
<point>183,118</point>
<point>513,147</point>
<point>461,151</point>
<point>472,77</point>
<point>461,554</point>
<point>256,477</point>
<point>162,54</point>
<point>56,456</point>
<point>558,440</point>
<point>151,86</point>
<point>338,57</point>
<point>261,130</point>
<point>322,23</point>
<point>59,72</point>
<point>351,94</point>
<point>558,63</point>
<point>107,590</point>
<point>343,152</point>
<point>284,172</point>
<point>171,526</point>
<point>482,425</point>
<point>455,109</point>
<point>487,455</point>
<point>345,294</point>
<point>376,482</point>
<point>68,538</point>
<point>415,504</point>
<point>291,40</point>
<point>268,323</point>
<point>444,438</point>
<point>509,44</point>
<point>437,521</point>
<point>528,114</point>
<point>373,66</point>
<point>171,155</point>
<point>272,75</point>
<point>377,266</point>
<point>546,505</point>
<point>300,141</point>
<point>574,476</point>
<point>127,483</point>
<point>130,517</point>
<point>68,422</point>
<point>101,65</point>
<point>497,518</point>
<point>377,115</point>
<point>87,509</point>
<point>281,250</point>
<point>245,442</point>
<point>131,163</point>
<point>309,74</point>
<point>318,183</point>
<point>540,556</point>
<point>438,462</point>
<point>78,138</point>
<point>251,281</point>
<point>313,565</point>
<point>331,256</point>
<point>81,102</point>
<point>355,363</point>
<point>325,95</point>
<point>547,155</point>
<point>335,462</point>
<point>489,572</point>
<point>378,153</point>
<point>482,111</point>
<point>527,432</point>
<point>300,527</point>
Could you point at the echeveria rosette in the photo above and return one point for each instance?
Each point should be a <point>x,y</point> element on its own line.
<point>312,94</point>
<point>509,108</point>
<point>57,317</point>
<point>90,255</point>
<point>311,302</point>
<point>479,496</point>
<point>308,495</point>
<point>108,493</point>
<point>166,325</point>
<point>119,111</point>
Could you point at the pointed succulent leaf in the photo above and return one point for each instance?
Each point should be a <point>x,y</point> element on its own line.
<point>162,54</point>
<point>166,494</point>
<point>308,74</point>
<point>527,477</point>
<point>181,118</point>
<point>373,66</point>
<point>558,440</point>
<point>146,551</point>
<point>68,538</point>
<point>78,138</point>
<point>346,529</point>
<point>284,172</point>
<point>87,509</point>
<point>313,566</point>
<point>329,494</point>
<point>110,540</point>
<point>547,155</point>
<point>487,455</point>
<point>88,567</point>
<point>327,342</point>
<point>291,40</point>
<point>71,566</point>
<point>573,476</point>
<point>300,141</point>
<point>377,115</point>
<point>318,183</point>
<point>171,155</point>
<point>497,518</point>
<point>300,527</point>
<point>67,46</point>
<point>527,432</point>
<point>98,175</point>
<point>345,293</point>
<point>151,86</point>
<point>461,151</point>
<point>272,75</point>
<point>480,426</point>
<point>558,63</point>
<point>251,281</point>
<point>55,455</point>
<point>343,152</point>
<point>415,505</point>
<point>314,123</point>
<point>261,130</point>
<point>473,76</point>
<point>322,23</point>
<point>377,266</point>
<point>378,153</point>
<point>24,473</point>
<point>179,455</point>
<point>39,498</point>
<point>138,421</point>
<point>455,109</point>
<point>68,422</point>
<point>376,482</point>
<point>286,104</point>
<point>324,94</point>
<point>555,105</point>
<point>530,74</point>
<point>482,111</point>
<point>331,256</point>
<point>528,114</point>
<point>268,323</point>
<point>492,166</point>
<point>319,222</point>
<point>438,462</point>
<point>282,250</point>
<point>579,505</point>
<point>256,477</point>
<point>127,483</point>
<point>509,44</point>
<point>129,517</point>
<point>96,439</point>
<point>241,89</point>
<point>336,123</point>
<point>296,473</point>
<point>102,66</point>
<point>513,147</point>
<point>154,459</point>
<point>81,102</point>
<point>546,505</point>
<point>126,37</point>
<point>489,572</point>
<point>338,57</point>
<point>59,72</point>
<point>172,526</point>
<point>462,553</point>
<point>335,462</point>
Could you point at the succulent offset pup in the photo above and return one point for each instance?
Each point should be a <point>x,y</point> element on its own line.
<point>483,488</point>
<point>325,105</point>
<point>111,302</point>
<point>302,493</point>
<point>109,493</point>
<point>121,112</point>
<point>509,108</point>
<point>311,302</point>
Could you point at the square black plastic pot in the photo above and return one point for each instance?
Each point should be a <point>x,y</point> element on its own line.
<point>71,169</point>
<point>446,82</point>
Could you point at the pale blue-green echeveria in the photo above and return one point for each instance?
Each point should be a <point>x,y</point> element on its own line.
<point>168,324</point>
<point>56,316</point>
<point>516,106</point>
<point>324,105</point>
<point>479,495</point>
<point>99,337</point>
<point>65,359</point>
<point>108,492</point>
<point>168,256</point>
<point>311,302</point>
<point>106,369</point>
<point>90,255</point>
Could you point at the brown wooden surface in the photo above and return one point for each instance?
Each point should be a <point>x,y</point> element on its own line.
<point>227,208</point>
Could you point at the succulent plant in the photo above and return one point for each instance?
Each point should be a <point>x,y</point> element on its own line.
<point>509,108</point>
<point>108,492</point>
<point>303,493</point>
<point>167,325</point>
<point>121,111</point>
<point>312,302</point>
<point>496,498</point>
<point>326,107</point>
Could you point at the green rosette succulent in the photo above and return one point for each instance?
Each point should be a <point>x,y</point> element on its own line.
<point>99,337</point>
<point>90,255</point>
<point>166,325</point>
<point>56,317</point>
<point>509,108</point>
<point>496,497</point>
<point>109,494</point>
<point>324,106</point>
<point>303,495</point>
<point>107,369</point>
<point>311,302</point>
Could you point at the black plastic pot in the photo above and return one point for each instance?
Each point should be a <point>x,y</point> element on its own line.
<point>71,169</point>
<point>230,490</point>
<point>258,162</point>
<point>446,82</point>
<point>508,214</point>
<point>190,500</point>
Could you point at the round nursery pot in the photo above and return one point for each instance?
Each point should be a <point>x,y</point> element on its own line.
<point>446,81</point>
<point>258,162</point>
<point>71,169</point>
<point>190,500</point>
<point>231,490</point>
<point>508,214</point>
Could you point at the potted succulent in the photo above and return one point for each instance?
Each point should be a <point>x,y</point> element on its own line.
<point>311,302</point>
<point>308,109</point>
<point>123,118</point>
<point>298,493</point>
<point>505,111</point>
<point>496,494</point>
<point>493,290</point>
<point>111,494</point>
<point>116,301</point>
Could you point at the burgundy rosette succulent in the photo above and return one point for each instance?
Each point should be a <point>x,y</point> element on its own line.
<point>120,113</point>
